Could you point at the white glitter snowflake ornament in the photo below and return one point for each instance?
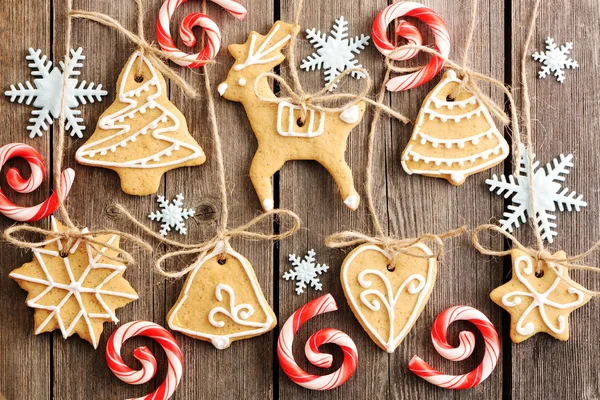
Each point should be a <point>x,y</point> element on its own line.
<point>46,95</point>
<point>555,60</point>
<point>335,53</point>
<point>547,190</point>
<point>305,272</point>
<point>171,215</point>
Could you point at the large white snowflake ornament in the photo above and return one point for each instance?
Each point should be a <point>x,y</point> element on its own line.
<point>171,215</point>
<point>546,188</point>
<point>335,53</point>
<point>555,60</point>
<point>305,271</point>
<point>46,95</point>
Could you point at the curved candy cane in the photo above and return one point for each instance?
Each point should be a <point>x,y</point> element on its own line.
<point>213,34</point>
<point>21,185</point>
<point>463,351</point>
<point>286,338</point>
<point>133,377</point>
<point>385,47</point>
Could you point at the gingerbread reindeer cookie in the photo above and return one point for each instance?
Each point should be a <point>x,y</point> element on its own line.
<point>282,135</point>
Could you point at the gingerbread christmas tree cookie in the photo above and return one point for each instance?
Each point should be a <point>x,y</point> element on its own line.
<point>77,293</point>
<point>142,134</point>
<point>453,138</point>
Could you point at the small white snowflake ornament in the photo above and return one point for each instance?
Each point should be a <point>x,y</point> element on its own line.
<point>546,188</point>
<point>46,95</point>
<point>172,215</point>
<point>555,59</point>
<point>335,53</point>
<point>305,271</point>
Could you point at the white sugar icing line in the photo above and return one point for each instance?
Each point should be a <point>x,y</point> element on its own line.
<point>221,341</point>
<point>414,156</point>
<point>389,299</point>
<point>258,57</point>
<point>457,103</point>
<point>85,153</point>
<point>445,117</point>
<point>460,143</point>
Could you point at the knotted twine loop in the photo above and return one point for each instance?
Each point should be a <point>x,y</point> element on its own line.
<point>541,256</point>
<point>153,53</point>
<point>244,231</point>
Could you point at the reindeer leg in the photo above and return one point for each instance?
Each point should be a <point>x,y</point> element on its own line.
<point>264,165</point>
<point>342,174</point>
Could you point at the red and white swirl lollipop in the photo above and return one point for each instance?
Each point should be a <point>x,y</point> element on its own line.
<point>146,358</point>
<point>213,34</point>
<point>463,351</point>
<point>21,185</point>
<point>406,30</point>
<point>286,339</point>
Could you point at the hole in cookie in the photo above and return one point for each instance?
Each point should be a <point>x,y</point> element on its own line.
<point>63,254</point>
<point>539,274</point>
<point>138,78</point>
<point>450,98</point>
<point>391,268</point>
<point>299,122</point>
<point>222,261</point>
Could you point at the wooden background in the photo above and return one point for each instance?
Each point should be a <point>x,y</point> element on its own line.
<point>566,120</point>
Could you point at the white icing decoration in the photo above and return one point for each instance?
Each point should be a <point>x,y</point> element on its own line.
<point>389,299</point>
<point>222,88</point>
<point>221,341</point>
<point>238,314</point>
<point>242,82</point>
<point>258,57</point>
<point>350,116</point>
<point>290,130</point>
<point>449,143</point>
<point>267,204</point>
<point>76,287</point>
<point>352,202</point>
<point>85,153</point>
<point>540,300</point>
<point>450,161</point>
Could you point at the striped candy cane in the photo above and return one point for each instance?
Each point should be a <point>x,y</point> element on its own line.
<point>286,339</point>
<point>145,356</point>
<point>21,185</point>
<point>406,30</point>
<point>213,34</point>
<point>463,351</point>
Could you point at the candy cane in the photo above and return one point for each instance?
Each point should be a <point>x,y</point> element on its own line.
<point>133,377</point>
<point>463,351</point>
<point>213,34</point>
<point>21,185</point>
<point>286,338</point>
<point>385,47</point>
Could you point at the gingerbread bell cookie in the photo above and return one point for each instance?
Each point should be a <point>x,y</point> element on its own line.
<point>539,301</point>
<point>142,134</point>
<point>386,293</point>
<point>281,132</point>
<point>453,137</point>
<point>76,293</point>
<point>221,300</point>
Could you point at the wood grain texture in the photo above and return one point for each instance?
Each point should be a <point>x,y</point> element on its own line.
<point>566,121</point>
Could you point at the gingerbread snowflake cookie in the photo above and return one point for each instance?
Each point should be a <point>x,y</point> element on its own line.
<point>281,133</point>
<point>453,138</point>
<point>77,293</point>
<point>142,134</point>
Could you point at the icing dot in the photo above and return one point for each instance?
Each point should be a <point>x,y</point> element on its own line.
<point>92,155</point>
<point>423,141</point>
<point>133,139</point>
<point>438,163</point>
<point>156,158</point>
<point>434,144</point>
<point>457,177</point>
<point>475,141</point>
<point>242,82</point>
<point>461,145</point>
<point>103,153</point>
<point>448,145</point>
<point>489,135</point>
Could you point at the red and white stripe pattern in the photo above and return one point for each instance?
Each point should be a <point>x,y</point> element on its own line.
<point>213,34</point>
<point>21,185</point>
<point>146,358</point>
<point>407,31</point>
<point>286,339</point>
<point>463,351</point>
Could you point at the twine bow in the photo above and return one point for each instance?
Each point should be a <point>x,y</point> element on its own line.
<point>541,256</point>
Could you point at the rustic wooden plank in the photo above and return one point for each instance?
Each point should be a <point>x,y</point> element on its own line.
<point>31,363</point>
<point>565,118</point>
<point>246,367</point>
<point>310,191</point>
<point>419,204</point>
<point>79,370</point>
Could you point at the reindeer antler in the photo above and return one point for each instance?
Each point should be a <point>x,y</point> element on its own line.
<point>263,55</point>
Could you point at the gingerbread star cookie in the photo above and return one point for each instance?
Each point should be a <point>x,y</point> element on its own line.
<point>77,293</point>
<point>539,303</point>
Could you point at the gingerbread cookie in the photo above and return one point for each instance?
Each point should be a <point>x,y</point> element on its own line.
<point>539,303</point>
<point>221,300</point>
<point>453,138</point>
<point>387,294</point>
<point>77,293</point>
<point>282,135</point>
<point>142,134</point>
